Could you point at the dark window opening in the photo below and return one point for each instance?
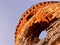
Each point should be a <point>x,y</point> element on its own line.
<point>29,16</point>
<point>35,30</point>
<point>33,33</point>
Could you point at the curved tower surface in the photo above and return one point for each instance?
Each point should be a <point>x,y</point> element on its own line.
<point>41,16</point>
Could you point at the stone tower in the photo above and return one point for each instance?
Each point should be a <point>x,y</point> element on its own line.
<point>41,16</point>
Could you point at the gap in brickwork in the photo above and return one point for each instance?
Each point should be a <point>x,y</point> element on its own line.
<point>42,35</point>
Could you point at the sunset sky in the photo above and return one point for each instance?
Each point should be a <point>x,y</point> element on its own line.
<point>10,13</point>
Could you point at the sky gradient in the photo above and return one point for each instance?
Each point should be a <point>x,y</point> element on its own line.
<point>10,13</point>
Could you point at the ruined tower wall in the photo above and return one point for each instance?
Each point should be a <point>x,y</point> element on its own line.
<point>36,19</point>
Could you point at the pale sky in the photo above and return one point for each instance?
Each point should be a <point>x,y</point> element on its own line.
<point>10,13</point>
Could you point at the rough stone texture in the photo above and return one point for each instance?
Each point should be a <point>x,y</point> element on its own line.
<point>53,34</point>
<point>42,16</point>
